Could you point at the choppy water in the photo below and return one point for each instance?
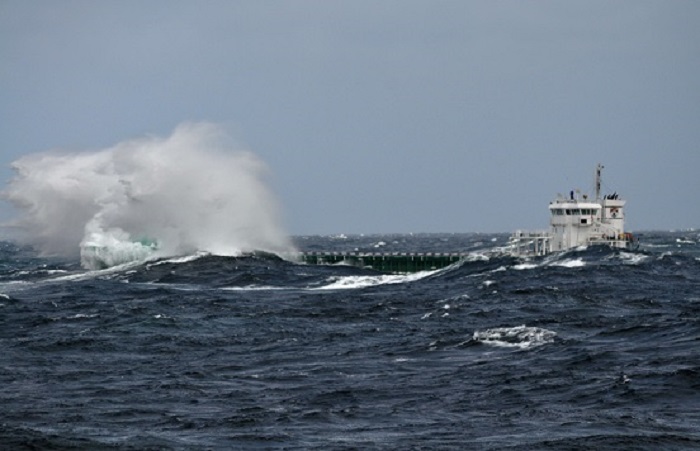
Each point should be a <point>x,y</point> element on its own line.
<point>588,349</point>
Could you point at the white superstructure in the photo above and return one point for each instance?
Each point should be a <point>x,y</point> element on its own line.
<point>576,221</point>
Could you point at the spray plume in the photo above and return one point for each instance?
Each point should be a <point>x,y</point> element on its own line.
<point>151,197</point>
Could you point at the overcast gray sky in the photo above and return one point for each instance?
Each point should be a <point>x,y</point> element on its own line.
<point>380,116</point>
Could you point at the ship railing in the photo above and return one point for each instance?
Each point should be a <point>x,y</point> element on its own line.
<point>530,243</point>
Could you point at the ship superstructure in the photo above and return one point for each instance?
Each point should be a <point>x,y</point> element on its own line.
<point>578,220</point>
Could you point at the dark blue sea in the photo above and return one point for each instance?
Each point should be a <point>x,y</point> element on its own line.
<point>588,349</point>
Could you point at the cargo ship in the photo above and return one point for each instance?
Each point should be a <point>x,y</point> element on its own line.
<point>578,220</point>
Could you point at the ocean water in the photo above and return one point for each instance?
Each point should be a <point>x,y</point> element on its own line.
<point>588,349</point>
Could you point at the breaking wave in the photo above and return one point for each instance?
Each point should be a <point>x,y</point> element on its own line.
<point>148,198</point>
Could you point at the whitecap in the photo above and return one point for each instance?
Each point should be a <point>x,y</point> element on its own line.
<point>254,288</point>
<point>477,257</point>
<point>521,337</point>
<point>664,255</point>
<point>632,259</point>
<point>352,282</point>
<point>182,259</point>
<point>569,263</point>
<point>99,272</point>
<point>522,266</point>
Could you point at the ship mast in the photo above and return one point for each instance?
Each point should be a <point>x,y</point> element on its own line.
<point>597,181</point>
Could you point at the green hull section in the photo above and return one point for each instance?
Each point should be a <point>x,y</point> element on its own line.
<point>384,262</point>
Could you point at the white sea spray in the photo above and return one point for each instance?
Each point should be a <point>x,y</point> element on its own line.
<point>194,190</point>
